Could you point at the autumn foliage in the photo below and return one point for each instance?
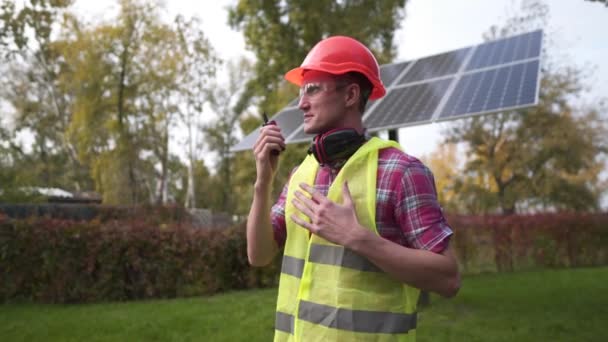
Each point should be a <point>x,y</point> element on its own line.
<point>528,242</point>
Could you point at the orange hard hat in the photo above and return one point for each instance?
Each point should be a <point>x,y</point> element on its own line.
<point>338,55</point>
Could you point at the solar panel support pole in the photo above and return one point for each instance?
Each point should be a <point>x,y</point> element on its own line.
<point>393,134</point>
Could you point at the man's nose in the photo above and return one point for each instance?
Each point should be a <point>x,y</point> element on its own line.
<point>303,103</point>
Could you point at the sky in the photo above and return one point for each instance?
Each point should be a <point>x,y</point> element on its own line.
<point>430,27</point>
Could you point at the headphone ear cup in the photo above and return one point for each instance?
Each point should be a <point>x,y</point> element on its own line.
<point>314,149</point>
<point>335,145</point>
<point>319,148</point>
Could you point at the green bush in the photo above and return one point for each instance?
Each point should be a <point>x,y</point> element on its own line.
<point>59,261</point>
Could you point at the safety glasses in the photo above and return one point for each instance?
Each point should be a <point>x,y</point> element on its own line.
<point>313,88</point>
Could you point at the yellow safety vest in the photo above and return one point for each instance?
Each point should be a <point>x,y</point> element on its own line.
<point>328,292</point>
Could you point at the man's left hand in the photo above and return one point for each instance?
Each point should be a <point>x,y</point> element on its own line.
<point>336,223</point>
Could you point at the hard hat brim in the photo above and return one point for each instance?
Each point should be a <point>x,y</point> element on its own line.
<point>296,76</point>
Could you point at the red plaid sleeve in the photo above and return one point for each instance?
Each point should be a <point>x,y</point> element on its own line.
<point>277,218</point>
<point>417,210</point>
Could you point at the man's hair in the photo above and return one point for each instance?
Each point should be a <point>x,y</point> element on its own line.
<point>364,84</point>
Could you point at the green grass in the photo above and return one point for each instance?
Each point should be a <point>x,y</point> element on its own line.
<point>557,305</point>
<point>560,305</point>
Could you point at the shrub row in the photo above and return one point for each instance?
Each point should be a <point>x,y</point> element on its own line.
<point>65,261</point>
<point>60,261</point>
<point>527,242</point>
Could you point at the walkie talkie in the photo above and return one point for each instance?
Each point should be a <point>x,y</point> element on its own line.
<point>266,123</point>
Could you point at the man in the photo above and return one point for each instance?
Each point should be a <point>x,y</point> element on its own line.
<point>359,221</point>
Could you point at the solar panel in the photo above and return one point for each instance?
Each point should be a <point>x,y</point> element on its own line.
<point>481,92</point>
<point>507,50</point>
<point>294,102</point>
<point>436,66</point>
<point>413,105</point>
<point>289,119</point>
<point>494,76</point>
<point>389,72</point>
<point>300,136</point>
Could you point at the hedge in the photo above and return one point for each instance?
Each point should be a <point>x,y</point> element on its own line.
<point>60,261</point>
<point>66,261</point>
<point>528,242</point>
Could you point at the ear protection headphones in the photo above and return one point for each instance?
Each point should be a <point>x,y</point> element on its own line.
<point>334,147</point>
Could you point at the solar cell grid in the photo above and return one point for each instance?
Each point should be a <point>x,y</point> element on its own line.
<point>506,50</point>
<point>489,90</point>
<point>408,105</point>
<point>435,66</point>
<point>389,72</point>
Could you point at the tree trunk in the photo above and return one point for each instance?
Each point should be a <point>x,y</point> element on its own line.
<point>190,193</point>
<point>161,197</point>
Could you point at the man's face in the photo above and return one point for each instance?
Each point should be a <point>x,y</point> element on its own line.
<point>322,101</point>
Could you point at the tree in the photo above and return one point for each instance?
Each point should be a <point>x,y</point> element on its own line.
<point>32,88</point>
<point>280,33</point>
<point>100,99</point>
<point>198,69</point>
<point>34,20</point>
<point>220,134</point>
<point>126,100</point>
<point>546,157</point>
<point>444,164</point>
<point>105,113</point>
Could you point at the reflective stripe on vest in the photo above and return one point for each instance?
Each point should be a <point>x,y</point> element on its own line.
<point>352,320</point>
<point>292,266</point>
<point>328,292</point>
<point>357,320</point>
<point>329,255</point>
<point>284,322</point>
<point>340,256</point>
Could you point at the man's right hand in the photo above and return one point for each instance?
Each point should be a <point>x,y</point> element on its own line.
<point>270,139</point>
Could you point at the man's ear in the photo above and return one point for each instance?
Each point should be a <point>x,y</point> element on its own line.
<point>352,94</point>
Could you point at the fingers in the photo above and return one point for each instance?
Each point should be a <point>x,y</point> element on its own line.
<point>270,139</point>
<point>315,195</point>
<point>347,197</point>
<point>304,204</point>
<point>269,134</point>
<point>301,222</point>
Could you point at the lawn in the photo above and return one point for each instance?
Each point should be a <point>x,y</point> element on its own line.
<point>553,305</point>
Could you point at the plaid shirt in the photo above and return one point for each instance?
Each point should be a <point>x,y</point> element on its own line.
<point>407,211</point>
